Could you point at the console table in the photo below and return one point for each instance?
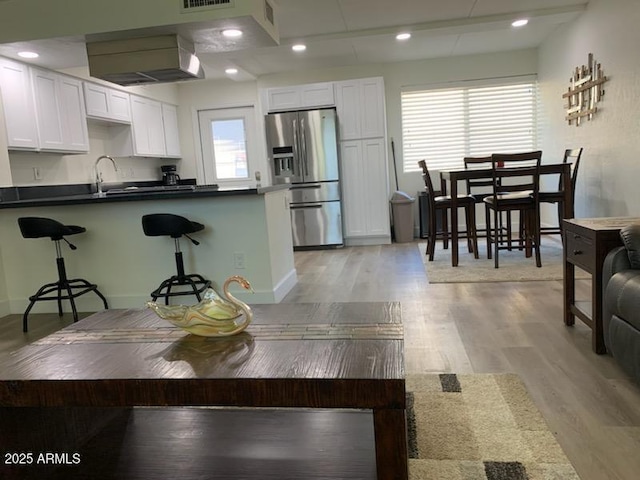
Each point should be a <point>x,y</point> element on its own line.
<point>301,356</point>
<point>586,244</point>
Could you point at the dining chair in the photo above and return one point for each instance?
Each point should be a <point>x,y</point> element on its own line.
<point>557,197</point>
<point>516,185</point>
<point>481,188</point>
<point>443,203</point>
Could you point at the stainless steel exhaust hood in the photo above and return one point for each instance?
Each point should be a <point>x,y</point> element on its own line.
<point>145,60</point>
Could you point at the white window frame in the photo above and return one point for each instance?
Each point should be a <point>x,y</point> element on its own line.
<point>208,164</point>
<point>449,155</point>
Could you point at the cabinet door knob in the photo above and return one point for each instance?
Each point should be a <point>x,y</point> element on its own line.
<point>577,252</point>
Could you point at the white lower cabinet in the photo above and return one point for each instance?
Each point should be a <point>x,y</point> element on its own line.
<point>365,192</point>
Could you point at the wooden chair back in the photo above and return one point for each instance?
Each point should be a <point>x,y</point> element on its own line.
<point>572,155</point>
<point>427,179</point>
<point>516,173</point>
<point>482,183</point>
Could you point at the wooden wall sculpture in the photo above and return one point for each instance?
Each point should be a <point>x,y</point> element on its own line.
<point>586,89</point>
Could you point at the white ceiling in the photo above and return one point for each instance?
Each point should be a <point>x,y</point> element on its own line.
<point>351,32</point>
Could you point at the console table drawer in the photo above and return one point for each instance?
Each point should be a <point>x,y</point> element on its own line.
<point>581,251</point>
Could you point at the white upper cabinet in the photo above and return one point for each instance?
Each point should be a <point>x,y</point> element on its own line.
<point>286,98</point>
<point>317,95</point>
<point>19,107</point>
<point>148,127</point>
<point>49,111</point>
<point>74,114</point>
<point>360,107</point>
<point>106,104</point>
<point>62,123</point>
<point>301,96</point>
<point>171,133</point>
<point>153,131</point>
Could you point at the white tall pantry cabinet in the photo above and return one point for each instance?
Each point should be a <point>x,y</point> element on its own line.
<point>365,183</point>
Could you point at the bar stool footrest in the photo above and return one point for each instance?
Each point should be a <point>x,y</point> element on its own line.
<point>63,288</point>
<point>197,283</point>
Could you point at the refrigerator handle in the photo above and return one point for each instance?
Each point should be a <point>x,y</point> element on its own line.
<point>296,150</point>
<point>306,206</point>
<point>303,147</point>
<point>305,186</point>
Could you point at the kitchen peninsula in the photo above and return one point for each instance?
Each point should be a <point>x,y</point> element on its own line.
<point>247,232</point>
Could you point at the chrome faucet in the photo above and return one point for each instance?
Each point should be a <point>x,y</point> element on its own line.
<point>99,174</point>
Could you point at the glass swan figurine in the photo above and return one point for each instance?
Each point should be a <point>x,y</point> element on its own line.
<point>214,316</point>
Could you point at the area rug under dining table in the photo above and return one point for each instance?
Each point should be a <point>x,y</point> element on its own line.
<point>479,427</point>
<point>514,265</point>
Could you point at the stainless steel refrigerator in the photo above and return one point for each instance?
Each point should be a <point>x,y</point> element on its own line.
<point>303,151</point>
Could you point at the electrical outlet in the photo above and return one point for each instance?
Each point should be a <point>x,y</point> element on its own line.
<point>238,260</point>
<point>36,173</point>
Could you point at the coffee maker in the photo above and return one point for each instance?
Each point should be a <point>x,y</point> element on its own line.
<point>169,175</point>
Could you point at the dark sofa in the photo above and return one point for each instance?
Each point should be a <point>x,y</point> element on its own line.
<point>621,309</point>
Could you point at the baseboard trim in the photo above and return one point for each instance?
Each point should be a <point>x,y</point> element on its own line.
<point>285,285</point>
<point>91,303</point>
<point>364,241</point>
<point>5,308</point>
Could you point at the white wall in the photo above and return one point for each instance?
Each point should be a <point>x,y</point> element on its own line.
<point>196,96</point>
<point>56,169</point>
<point>414,73</point>
<point>607,183</point>
<point>208,95</point>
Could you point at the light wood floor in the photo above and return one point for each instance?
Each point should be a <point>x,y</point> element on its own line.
<point>590,405</point>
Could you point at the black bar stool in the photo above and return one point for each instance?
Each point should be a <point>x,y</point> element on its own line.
<point>175,226</point>
<point>37,227</point>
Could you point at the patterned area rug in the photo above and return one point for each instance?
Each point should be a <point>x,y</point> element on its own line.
<point>479,427</point>
<point>514,265</point>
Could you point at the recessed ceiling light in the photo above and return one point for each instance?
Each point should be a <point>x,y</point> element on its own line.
<point>231,71</point>
<point>28,54</point>
<point>232,33</point>
<point>403,36</point>
<point>520,23</point>
<point>299,47</point>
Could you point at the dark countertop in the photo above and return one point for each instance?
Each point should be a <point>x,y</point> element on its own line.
<point>18,197</point>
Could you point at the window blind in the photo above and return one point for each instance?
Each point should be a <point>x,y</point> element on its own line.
<point>442,126</point>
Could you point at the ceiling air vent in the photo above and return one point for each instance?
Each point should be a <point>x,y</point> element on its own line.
<point>190,5</point>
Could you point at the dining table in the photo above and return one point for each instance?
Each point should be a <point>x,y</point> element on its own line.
<point>454,176</point>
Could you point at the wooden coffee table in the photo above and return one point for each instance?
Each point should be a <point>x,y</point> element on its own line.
<point>335,356</point>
